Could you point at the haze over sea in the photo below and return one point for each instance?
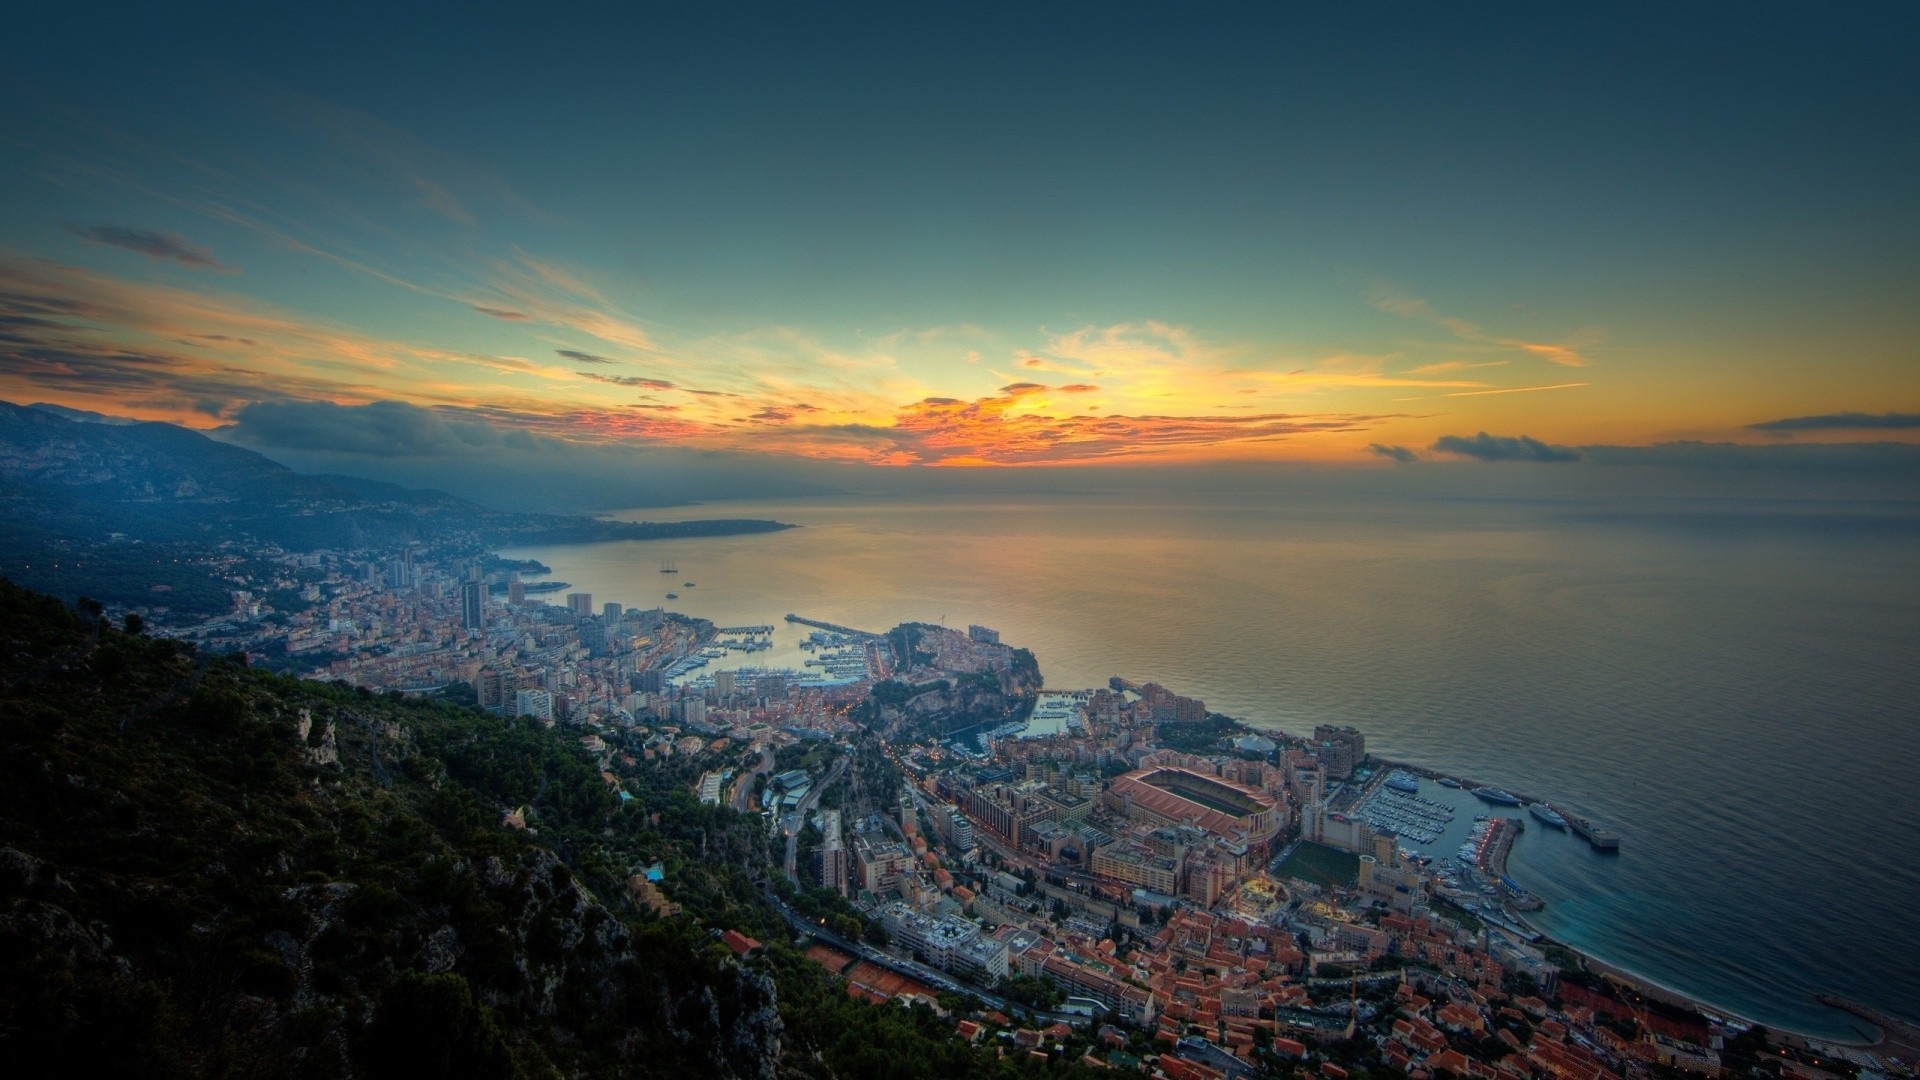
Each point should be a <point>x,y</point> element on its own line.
<point>1733,687</point>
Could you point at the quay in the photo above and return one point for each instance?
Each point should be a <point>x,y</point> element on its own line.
<point>835,627</point>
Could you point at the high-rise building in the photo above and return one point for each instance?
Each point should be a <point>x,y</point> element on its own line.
<point>723,683</point>
<point>1341,749</point>
<point>473,604</point>
<point>494,688</point>
<point>580,603</point>
<point>833,853</point>
<point>610,613</point>
<point>400,571</point>
<point>535,703</point>
<point>516,589</point>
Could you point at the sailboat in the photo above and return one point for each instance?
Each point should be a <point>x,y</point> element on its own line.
<point>667,567</point>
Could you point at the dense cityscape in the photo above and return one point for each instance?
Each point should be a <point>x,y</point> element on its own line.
<point>1112,872</point>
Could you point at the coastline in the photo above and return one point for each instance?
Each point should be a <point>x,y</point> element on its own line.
<point>1838,1030</point>
<point>1896,1037</point>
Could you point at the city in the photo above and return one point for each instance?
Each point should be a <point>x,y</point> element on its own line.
<point>1114,871</point>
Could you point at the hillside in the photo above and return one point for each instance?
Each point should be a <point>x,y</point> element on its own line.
<point>209,870</point>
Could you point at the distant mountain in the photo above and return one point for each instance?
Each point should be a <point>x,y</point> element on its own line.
<point>64,472</point>
<point>84,415</point>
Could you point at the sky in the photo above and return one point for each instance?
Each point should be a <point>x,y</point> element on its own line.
<point>753,242</point>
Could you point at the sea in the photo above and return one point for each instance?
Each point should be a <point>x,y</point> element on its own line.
<point>1731,686</point>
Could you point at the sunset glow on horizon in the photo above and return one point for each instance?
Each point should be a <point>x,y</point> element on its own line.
<point>247,241</point>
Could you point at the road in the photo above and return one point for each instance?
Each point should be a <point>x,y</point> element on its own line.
<point>933,977</point>
<point>743,786</point>
<point>805,807</point>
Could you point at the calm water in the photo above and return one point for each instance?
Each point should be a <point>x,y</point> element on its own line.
<point>1732,689</point>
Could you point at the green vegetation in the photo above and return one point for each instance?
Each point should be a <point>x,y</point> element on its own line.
<point>206,869</point>
<point>1197,737</point>
<point>1199,789</point>
<point>905,640</point>
<point>176,576</point>
<point>1032,992</point>
<point>1318,864</point>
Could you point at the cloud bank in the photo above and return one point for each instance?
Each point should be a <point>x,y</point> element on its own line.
<point>1485,447</point>
<point>1842,421</point>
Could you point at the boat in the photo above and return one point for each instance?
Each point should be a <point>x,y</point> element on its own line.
<point>1600,838</point>
<point>1448,781</point>
<point>1547,814</point>
<point>673,596</point>
<point>688,584</point>
<point>667,567</point>
<point>1400,781</point>
<point>1495,795</point>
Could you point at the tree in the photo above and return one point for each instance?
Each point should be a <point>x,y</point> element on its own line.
<point>430,1026</point>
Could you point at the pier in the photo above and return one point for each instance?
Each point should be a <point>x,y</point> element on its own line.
<point>835,627</point>
<point>746,631</point>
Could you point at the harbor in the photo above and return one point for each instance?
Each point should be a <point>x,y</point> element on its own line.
<point>1599,837</point>
<point>834,655</point>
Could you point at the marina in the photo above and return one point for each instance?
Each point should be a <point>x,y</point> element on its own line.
<point>1394,806</point>
<point>839,655</point>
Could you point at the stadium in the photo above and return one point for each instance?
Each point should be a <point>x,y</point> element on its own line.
<point>1165,795</point>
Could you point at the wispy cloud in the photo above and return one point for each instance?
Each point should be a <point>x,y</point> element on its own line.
<point>579,357</point>
<point>1395,302</point>
<point>1566,352</point>
<point>1516,389</point>
<point>1445,366</point>
<point>629,380</point>
<point>1393,453</point>
<point>157,246</point>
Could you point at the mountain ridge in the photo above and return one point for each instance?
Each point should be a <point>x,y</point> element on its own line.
<point>158,481</point>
